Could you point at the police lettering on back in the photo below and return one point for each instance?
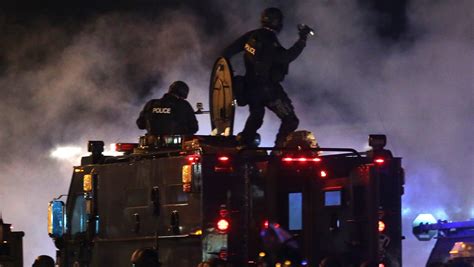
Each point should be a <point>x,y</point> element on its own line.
<point>250,49</point>
<point>169,115</point>
<point>161,110</point>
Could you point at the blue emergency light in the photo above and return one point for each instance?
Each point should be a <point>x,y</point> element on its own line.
<point>56,222</point>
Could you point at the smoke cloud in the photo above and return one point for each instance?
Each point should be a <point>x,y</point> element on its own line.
<point>63,85</point>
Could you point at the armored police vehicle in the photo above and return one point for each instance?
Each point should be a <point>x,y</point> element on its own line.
<point>11,246</point>
<point>455,240</point>
<point>205,201</point>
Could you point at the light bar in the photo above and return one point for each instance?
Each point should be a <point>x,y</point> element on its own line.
<point>125,147</point>
<point>300,159</point>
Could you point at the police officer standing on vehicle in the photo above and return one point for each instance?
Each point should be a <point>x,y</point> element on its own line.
<point>169,115</point>
<point>266,64</point>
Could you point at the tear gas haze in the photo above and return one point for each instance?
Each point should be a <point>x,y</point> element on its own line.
<point>87,80</point>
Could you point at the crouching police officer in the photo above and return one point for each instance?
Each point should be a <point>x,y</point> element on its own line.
<point>169,115</point>
<point>266,64</point>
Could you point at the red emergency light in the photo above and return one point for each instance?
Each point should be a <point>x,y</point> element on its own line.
<point>223,164</point>
<point>266,224</point>
<point>193,159</point>
<point>379,161</point>
<point>223,159</point>
<point>223,225</point>
<point>125,147</point>
<point>300,159</point>
<point>223,212</point>
<point>223,255</point>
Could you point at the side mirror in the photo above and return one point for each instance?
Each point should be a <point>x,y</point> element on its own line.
<point>56,220</point>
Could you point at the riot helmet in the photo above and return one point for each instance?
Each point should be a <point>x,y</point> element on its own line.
<point>272,18</point>
<point>43,261</point>
<point>179,88</point>
<point>145,257</point>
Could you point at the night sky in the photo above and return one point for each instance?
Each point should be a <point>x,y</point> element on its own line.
<point>73,71</point>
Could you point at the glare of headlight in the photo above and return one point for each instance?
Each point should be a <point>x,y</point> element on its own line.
<point>406,211</point>
<point>66,152</point>
<point>424,218</point>
<point>111,151</point>
<point>441,214</point>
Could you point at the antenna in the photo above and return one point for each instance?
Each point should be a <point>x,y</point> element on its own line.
<point>1,228</point>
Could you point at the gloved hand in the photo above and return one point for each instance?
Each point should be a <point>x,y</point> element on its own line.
<point>304,31</point>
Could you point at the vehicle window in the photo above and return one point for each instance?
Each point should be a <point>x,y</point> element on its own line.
<point>332,198</point>
<point>295,211</point>
<point>79,217</point>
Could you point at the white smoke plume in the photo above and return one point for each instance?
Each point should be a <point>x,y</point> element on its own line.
<point>65,84</point>
<point>62,87</point>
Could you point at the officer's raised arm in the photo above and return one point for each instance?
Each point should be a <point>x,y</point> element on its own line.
<point>290,54</point>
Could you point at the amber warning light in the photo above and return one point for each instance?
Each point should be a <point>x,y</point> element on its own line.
<point>381,226</point>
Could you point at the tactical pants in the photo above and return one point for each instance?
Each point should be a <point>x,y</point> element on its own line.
<point>274,98</point>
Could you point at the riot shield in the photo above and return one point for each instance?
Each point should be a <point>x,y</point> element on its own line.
<point>221,97</point>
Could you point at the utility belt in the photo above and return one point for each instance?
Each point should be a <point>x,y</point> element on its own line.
<point>273,73</point>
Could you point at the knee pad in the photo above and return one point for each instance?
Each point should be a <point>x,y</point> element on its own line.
<point>291,122</point>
